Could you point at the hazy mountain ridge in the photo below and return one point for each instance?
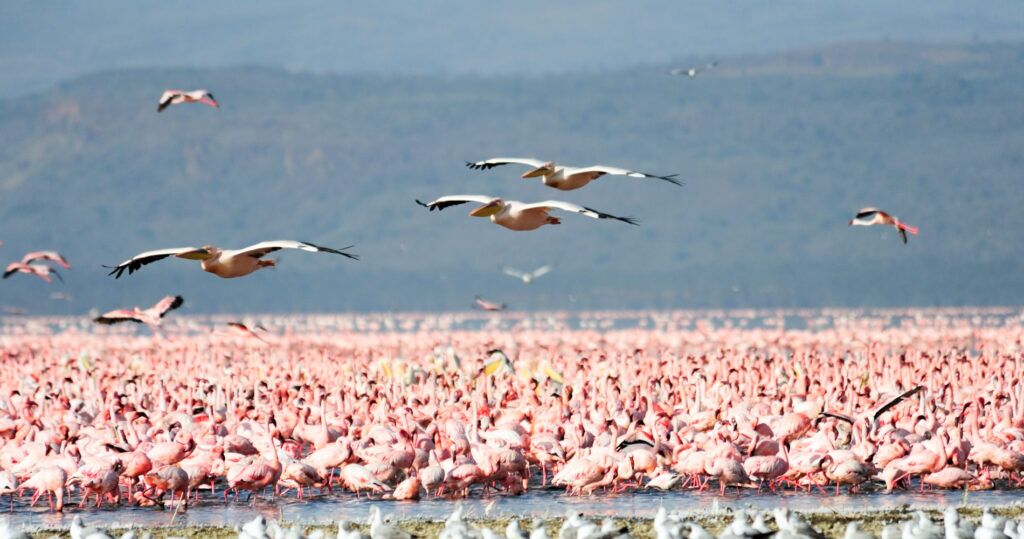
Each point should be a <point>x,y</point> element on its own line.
<point>777,151</point>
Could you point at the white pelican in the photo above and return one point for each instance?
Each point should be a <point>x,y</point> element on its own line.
<point>52,256</point>
<point>176,97</point>
<point>515,215</point>
<point>228,263</point>
<point>151,316</point>
<point>565,178</point>
<point>692,71</point>
<point>39,270</point>
<point>875,216</point>
<point>527,276</point>
<point>485,305</point>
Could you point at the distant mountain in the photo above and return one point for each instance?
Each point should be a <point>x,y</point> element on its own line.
<point>777,151</point>
<point>42,43</point>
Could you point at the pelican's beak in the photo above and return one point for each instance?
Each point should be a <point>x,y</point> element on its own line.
<point>493,366</point>
<point>487,210</point>
<point>537,172</point>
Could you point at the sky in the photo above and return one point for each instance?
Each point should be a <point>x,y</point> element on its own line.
<point>43,43</point>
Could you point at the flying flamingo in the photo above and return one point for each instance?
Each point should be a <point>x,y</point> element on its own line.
<point>151,316</point>
<point>39,270</point>
<point>247,331</point>
<point>485,305</point>
<point>875,216</point>
<point>176,97</point>
<point>228,263</point>
<point>52,256</point>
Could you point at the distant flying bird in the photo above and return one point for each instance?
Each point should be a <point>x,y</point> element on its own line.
<point>52,256</point>
<point>485,305</point>
<point>515,215</point>
<point>247,331</point>
<point>176,97</point>
<point>227,263</point>
<point>693,71</point>
<point>527,276</point>
<point>151,316</point>
<point>39,270</point>
<point>875,216</point>
<point>62,296</point>
<point>565,178</point>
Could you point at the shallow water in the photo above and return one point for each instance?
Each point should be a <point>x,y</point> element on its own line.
<point>547,503</point>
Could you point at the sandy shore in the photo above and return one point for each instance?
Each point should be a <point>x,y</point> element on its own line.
<point>831,523</point>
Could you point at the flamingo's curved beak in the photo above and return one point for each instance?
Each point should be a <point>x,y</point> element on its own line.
<point>488,209</point>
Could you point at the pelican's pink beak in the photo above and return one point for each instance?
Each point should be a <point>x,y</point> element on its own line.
<point>543,170</point>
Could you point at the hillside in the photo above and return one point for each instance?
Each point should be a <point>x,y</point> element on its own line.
<point>777,151</point>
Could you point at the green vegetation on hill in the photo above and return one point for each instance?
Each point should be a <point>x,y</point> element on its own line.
<point>777,152</point>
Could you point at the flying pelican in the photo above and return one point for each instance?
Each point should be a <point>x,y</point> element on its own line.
<point>39,270</point>
<point>228,263</point>
<point>693,71</point>
<point>875,216</point>
<point>527,276</point>
<point>52,256</point>
<point>175,97</point>
<point>151,316</point>
<point>515,215</point>
<point>564,178</point>
<point>485,305</point>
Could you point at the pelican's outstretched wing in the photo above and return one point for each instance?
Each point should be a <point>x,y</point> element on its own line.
<point>499,161</point>
<point>265,247</point>
<point>601,170</point>
<point>455,200</point>
<point>569,207</point>
<point>136,262</point>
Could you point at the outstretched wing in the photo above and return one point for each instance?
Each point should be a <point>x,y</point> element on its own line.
<point>52,256</point>
<point>499,161</point>
<point>569,207</point>
<point>866,213</point>
<point>513,273</point>
<point>166,98</point>
<point>541,271</point>
<point>894,401</point>
<point>136,262</point>
<point>265,247</point>
<point>455,200</point>
<point>169,303</point>
<point>116,317</point>
<point>601,170</point>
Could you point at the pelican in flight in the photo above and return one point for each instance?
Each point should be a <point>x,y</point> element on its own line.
<point>151,316</point>
<point>693,71</point>
<point>39,270</point>
<point>515,215</point>
<point>875,216</point>
<point>485,305</point>
<point>51,256</point>
<point>176,97</point>
<point>527,276</point>
<point>226,263</point>
<point>565,178</point>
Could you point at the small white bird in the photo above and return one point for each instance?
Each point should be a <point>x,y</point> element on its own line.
<point>515,215</point>
<point>380,530</point>
<point>527,276</point>
<point>693,71</point>
<point>176,97</point>
<point>348,530</point>
<point>562,177</point>
<point>227,263</point>
<point>513,531</point>
<point>79,531</point>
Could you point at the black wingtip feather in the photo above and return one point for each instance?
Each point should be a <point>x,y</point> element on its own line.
<point>334,251</point>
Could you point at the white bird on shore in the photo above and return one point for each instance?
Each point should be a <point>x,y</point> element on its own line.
<point>562,177</point>
<point>515,215</point>
<point>347,530</point>
<point>227,263</point>
<point>176,97</point>
<point>527,277</point>
<point>79,531</point>
<point>380,530</point>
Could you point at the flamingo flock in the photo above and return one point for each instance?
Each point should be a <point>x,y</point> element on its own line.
<point>408,407</point>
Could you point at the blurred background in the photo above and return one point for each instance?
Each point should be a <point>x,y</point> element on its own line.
<point>335,116</point>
